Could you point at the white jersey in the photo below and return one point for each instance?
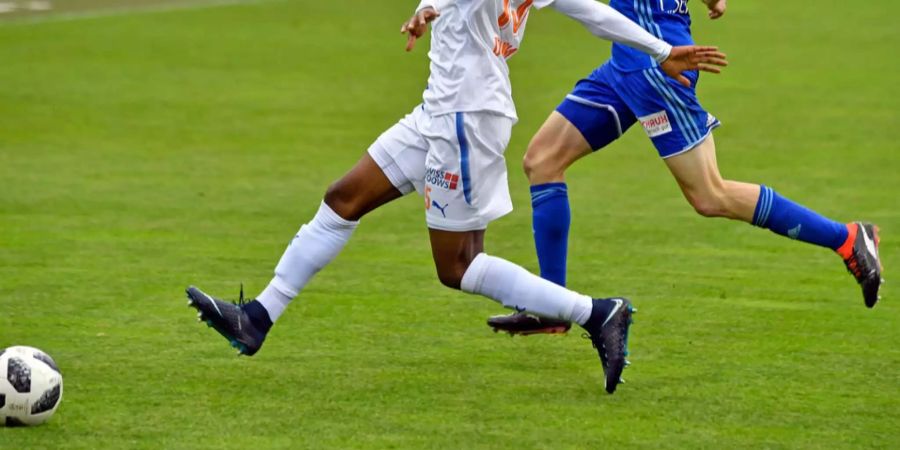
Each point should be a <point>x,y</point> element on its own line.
<point>470,43</point>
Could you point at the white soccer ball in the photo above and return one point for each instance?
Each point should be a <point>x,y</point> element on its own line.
<point>30,386</point>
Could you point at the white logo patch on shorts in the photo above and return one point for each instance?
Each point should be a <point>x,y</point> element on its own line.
<point>656,124</point>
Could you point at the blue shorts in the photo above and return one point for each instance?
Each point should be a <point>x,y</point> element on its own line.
<point>606,103</point>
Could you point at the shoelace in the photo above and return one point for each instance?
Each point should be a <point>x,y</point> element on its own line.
<point>853,265</point>
<point>240,302</point>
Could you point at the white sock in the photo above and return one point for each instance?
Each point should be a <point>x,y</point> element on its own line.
<point>315,245</point>
<point>516,288</point>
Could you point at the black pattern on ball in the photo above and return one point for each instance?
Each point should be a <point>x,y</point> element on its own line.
<point>47,401</point>
<point>19,375</point>
<point>2,400</point>
<point>46,359</point>
<point>13,422</point>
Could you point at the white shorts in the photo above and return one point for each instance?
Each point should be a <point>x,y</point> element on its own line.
<point>454,160</point>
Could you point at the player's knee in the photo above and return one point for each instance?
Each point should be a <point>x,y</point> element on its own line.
<point>450,271</point>
<point>539,163</point>
<point>708,204</point>
<point>343,201</point>
<point>451,276</point>
<point>706,209</point>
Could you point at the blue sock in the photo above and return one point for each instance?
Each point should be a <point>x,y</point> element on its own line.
<point>550,223</point>
<point>789,219</point>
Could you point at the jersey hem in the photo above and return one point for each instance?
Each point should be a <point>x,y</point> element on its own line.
<point>471,109</point>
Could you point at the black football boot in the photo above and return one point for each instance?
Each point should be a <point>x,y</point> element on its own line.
<point>246,332</point>
<point>608,331</point>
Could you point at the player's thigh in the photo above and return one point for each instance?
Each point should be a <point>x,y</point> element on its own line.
<point>362,189</point>
<point>696,171</point>
<point>555,147</point>
<point>670,113</point>
<point>590,117</point>
<point>466,184</point>
<point>453,251</point>
<point>393,166</point>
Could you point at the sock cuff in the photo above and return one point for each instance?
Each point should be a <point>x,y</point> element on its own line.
<point>543,192</point>
<point>283,287</point>
<point>328,217</point>
<point>548,186</point>
<point>763,206</point>
<point>846,247</point>
<point>474,276</point>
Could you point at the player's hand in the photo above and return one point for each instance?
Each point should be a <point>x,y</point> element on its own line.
<point>692,57</point>
<point>417,25</point>
<point>716,8</point>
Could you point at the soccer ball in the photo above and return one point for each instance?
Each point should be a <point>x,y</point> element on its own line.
<point>30,386</point>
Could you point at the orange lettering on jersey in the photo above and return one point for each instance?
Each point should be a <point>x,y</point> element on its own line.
<point>503,20</point>
<point>509,50</point>
<point>503,48</point>
<point>518,16</point>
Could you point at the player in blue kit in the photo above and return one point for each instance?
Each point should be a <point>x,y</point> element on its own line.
<point>627,89</point>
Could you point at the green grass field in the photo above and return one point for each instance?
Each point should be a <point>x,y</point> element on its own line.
<point>140,153</point>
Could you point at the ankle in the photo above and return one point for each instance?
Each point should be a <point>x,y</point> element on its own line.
<point>846,249</point>
<point>258,316</point>
<point>599,312</point>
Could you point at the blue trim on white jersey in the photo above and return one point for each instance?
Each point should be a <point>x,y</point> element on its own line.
<point>463,157</point>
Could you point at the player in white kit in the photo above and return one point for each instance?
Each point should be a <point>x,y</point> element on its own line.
<point>450,150</point>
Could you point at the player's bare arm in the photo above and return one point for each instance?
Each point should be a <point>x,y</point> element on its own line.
<point>716,8</point>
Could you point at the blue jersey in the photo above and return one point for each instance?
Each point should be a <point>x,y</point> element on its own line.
<point>668,20</point>
<point>630,88</point>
